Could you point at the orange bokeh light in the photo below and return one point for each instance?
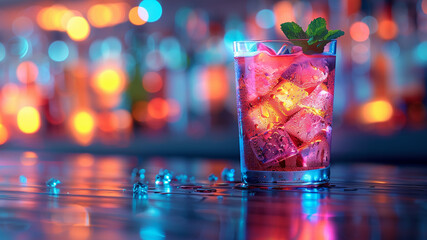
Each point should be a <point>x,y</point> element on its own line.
<point>387,29</point>
<point>284,12</point>
<point>134,17</point>
<point>85,160</point>
<point>83,122</point>
<point>152,82</point>
<point>78,28</point>
<point>359,31</point>
<point>29,158</point>
<point>215,86</point>
<point>28,120</point>
<point>10,98</point>
<point>109,81</point>
<point>124,119</point>
<point>4,134</point>
<point>27,72</point>
<point>158,108</point>
<point>108,122</point>
<point>83,125</point>
<point>100,15</point>
<point>376,111</point>
<point>54,17</point>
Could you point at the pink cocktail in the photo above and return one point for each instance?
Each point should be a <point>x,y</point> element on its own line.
<point>285,102</point>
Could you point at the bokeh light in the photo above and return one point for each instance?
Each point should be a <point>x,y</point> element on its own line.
<point>83,122</point>
<point>23,26</point>
<point>2,52</point>
<point>231,36</point>
<point>134,17</point>
<point>372,24</point>
<point>109,81</point>
<point>18,46</point>
<point>359,31</point>
<point>27,72</point>
<point>420,52</point>
<point>387,29</point>
<point>152,82</point>
<point>158,108</point>
<point>152,7</point>
<point>100,15</point>
<point>124,119</point>
<point>265,18</point>
<point>279,9</point>
<point>424,6</point>
<point>111,47</point>
<point>376,111</point>
<point>58,51</point>
<point>78,28</point>
<point>29,158</point>
<point>28,120</point>
<point>4,134</point>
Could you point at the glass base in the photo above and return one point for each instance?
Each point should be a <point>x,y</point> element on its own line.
<point>286,178</point>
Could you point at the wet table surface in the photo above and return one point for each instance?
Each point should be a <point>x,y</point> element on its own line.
<point>95,201</point>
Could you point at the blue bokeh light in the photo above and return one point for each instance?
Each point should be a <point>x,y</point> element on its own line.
<point>111,47</point>
<point>420,52</point>
<point>2,52</point>
<point>231,36</point>
<point>58,51</point>
<point>265,18</point>
<point>18,46</point>
<point>181,17</point>
<point>170,49</point>
<point>154,9</point>
<point>95,50</point>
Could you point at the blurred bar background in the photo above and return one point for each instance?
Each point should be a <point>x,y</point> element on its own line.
<point>157,77</point>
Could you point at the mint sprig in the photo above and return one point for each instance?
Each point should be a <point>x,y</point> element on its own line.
<point>317,34</point>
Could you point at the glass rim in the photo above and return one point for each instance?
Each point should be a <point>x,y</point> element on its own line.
<point>279,41</point>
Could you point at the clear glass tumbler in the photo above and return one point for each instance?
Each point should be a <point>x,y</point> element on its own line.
<point>284,103</point>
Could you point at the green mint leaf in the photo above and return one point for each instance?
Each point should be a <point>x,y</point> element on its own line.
<point>317,27</point>
<point>293,31</point>
<point>332,34</point>
<point>317,34</point>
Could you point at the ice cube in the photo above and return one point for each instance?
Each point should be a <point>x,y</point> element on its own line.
<point>272,145</point>
<point>140,190</point>
<point>134,173</point>
<point>319,101</point>
<point>288,95</point>
<point>264,116</point>
<point>308,73</point>
<point>23,179</point>
<point>263,73</point>
<point>305,125</point>
<point>164,177</point>
<point>316,153</point>
<point>228,174</point>
<point>213,178</point>
<point>182,178</point>
<point>141,173</point>
<point>52,183</point>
